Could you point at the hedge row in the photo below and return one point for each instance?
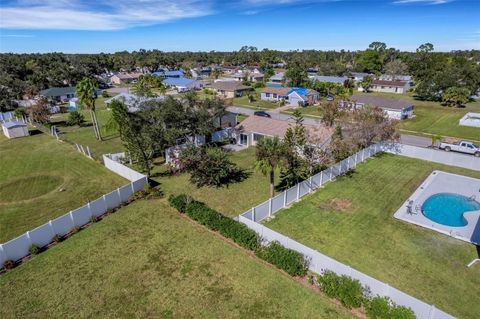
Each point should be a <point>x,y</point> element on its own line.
<point>350,293</point>
<point>288,260</point>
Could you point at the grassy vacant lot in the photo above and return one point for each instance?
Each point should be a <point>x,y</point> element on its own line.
<point>351,220</point>
<point>33,169</point>
<point>85,135</point>
<point>147,261</point>
<point>230,200</point>
<point>258,104</point>
<point>433,118</point>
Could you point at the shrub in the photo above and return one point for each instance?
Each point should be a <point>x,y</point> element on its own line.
<point>94,219</point>
<point>289,260</point>
<point>179,202</point>
<point>343,288</point>
<point>34,250</point>
<point>384,308</point>
<point>109,211</point>
<point>105,94</point>
<point>8,264</point>
<point>57,238</point>
<point>75,118</point>
<point>155,193</point>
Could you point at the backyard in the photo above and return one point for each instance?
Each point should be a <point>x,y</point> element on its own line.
<point>230,200</point>
<point>148,261</point>
<point>351,220</point>
<point>256,104</point>
<point>42,178</point>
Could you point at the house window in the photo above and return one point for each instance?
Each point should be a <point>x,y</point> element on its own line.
<point>274,96</point>
<point>257,137</point>
<point>267,94</point>
<point>383,87</point>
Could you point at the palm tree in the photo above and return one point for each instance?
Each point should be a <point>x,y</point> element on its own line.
<point>270,155</point>
<point>86,92</point>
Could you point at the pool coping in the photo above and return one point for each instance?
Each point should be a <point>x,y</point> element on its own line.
<point>457,184</point>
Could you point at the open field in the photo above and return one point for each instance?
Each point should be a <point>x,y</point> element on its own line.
<point>230,200</point>
<point>33,169</point>
<point>147,261</point>
<point>85,135</point>
<point>351,220</point>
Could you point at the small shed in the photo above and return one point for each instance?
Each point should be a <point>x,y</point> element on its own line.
<point>15,129</point>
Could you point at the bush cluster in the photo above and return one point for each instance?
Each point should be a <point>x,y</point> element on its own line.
<point>179,202</point>
<point>384,308</point>
<point>343,288</point>
<point>34,250</point>
<point>289,260</point>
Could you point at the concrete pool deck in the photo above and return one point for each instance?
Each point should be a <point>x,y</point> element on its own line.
<point>442,182</point>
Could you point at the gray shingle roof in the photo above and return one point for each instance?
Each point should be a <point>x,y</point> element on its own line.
<point>230,86</point>
<point>383,102</point>
<point>58,91</point>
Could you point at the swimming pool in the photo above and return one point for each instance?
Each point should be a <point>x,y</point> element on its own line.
<point>448,208</point>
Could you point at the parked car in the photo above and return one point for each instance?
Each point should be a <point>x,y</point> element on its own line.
<point>261,113</point>
<point>460,146</point>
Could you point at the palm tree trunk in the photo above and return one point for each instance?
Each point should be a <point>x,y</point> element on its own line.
<point>272,183</point>
<point>98,135</point>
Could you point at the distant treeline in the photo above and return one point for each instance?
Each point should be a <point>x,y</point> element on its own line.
<point>26,74</point>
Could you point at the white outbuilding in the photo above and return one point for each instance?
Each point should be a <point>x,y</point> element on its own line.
<point>15,129</point>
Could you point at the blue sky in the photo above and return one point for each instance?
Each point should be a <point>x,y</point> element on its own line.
<point>90,26</point>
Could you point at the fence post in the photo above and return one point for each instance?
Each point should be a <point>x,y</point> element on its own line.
<point>311,184</point>
<point>363,154</point>
<point>90,209</point>
<point>431,315</point>
<point>284,198</point>
<point>298,191</point>
<point>270,207</point>
<point>88,151</point>
<point>3,254</point>
<point>28,237</point>
<point>71,217</point>
<point>321,179</point>
<point>52,228</point>
<point>253,214</point>
<point>331,174</point>
<point>83,151</point>
<point>104,203</point>
<point>119,195</point>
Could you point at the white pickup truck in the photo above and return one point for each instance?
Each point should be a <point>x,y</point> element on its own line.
<point>461,146</point>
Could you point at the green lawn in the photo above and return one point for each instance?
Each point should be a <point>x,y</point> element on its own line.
<point>147,261</point>
<point>33,169</point>
<point>230,200</point>
<point>85,135</point>
<point>351,220</point>
<point>257,104</point>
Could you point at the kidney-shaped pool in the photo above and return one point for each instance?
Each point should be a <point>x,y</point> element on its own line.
<point>448,208</point>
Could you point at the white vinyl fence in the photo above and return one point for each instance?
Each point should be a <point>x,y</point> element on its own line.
<point>43,235</point>
<point>319,262</point>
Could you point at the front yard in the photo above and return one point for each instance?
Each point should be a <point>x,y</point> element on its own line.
<point>257,104</point>
<point>351,220</point>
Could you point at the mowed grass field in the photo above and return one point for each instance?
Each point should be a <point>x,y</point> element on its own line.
<point>351,220</point>
<point>32,171</point>
<point>230,200</point>
<point>147,261</point>
<point>85,135</point>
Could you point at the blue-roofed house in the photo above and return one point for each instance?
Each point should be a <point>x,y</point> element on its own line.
<point>14,129</point>
<point>293,96</point>
<point>331,79</point>
<point>182,84</point>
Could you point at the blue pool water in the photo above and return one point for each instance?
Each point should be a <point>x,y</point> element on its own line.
<point>448,209</point>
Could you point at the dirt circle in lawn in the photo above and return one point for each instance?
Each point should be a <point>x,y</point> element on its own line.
<point>30,187</point>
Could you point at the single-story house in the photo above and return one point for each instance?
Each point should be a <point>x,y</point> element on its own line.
<point>15,129</point>
<point>358,76</point>
<point>125,77</point>
<point>387,77</point>
<point>182,84</point>
<point>230,69</point>
<point>470,119</point>
<point>278,78</point>
<point>293,96</point>
<point>253,77</point>
<point>230,89</point>
<point>59,94</point>
<point>328,79</point>
<point>169,73</point>
<point>254,128</point>
<point>388,86</point>
<point>132,101</point>
<point>395,108</point>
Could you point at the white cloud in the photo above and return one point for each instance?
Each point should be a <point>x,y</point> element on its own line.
<point>99,15</point>
<point>422,1</point>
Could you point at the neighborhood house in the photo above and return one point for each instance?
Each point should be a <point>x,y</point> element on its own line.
<point>182,84</point>
<point>395,108</point>
<point>59,94</point>
<point>15,129</point>
<point>125,77</point>
<point>254,128</point>
<point>470,119</point>
<point>229,89</point>
<point>388,86</point>
<point>293,96</point>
